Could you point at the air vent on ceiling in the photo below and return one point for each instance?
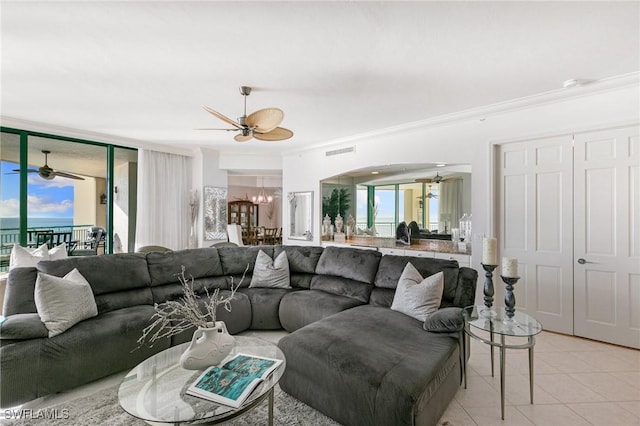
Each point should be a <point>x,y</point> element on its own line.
<point>340,151</point>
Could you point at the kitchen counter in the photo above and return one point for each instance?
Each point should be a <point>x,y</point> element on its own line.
<point>426,245</point>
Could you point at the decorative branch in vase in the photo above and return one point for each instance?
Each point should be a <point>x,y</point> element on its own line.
<point>211,342</point>
<point>194,207</point>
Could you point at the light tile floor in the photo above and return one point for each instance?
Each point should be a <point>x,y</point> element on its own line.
<point>576,382</point>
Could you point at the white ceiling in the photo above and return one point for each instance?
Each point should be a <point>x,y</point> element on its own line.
<point>143,70</point>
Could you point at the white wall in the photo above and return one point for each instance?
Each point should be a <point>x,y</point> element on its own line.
<point>469,140</point>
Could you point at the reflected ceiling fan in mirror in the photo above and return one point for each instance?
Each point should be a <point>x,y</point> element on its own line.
<point>262,124</point>
<point>431,194</point>
<point>47,173</point>
<point>436,179</point>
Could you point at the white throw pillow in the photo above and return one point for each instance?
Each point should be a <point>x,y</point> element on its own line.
<point>58,252</point>
<point>417,297</point>
<point>22,257</point>
<point>63,302</point>
<point>270,273</point>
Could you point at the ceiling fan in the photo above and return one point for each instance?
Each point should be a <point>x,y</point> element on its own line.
<point>47,173</point>
<point>436,179</point>
<point>430,194</point>
<point>262,124</point>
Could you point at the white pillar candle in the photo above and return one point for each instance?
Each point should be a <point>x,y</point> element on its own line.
<point>489,251</point>
<point>510,267</point>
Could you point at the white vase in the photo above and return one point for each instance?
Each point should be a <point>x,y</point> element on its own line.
<point>209,346</point>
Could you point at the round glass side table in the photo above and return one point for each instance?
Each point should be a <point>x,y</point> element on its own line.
<point>521,325</point>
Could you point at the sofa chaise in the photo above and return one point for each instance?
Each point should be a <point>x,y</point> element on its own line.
<point>348,354</point>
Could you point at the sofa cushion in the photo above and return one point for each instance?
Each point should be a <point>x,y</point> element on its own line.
<point>24,257</point>
<point>342,287</point>
<point>117,280</point>
<point>235,259</point>
<point>162,293</point>
<point>58,252</point>
<point>63,302</point>
<point>271,273</point>
<point>302,259</point>
<point>238,320</point>
<point>416,296</point>
<point>107,273</point>
<point>265,307</point>
<point>22,327</point>
<point>355,264</point>
<point>165,267</point>
<point>382,362</point>
<point>299,308</point>
<point>301,280</point>
<point>391,267</point>
<point>95,348</point>
<point>18,296</point>
<point>19,367</point>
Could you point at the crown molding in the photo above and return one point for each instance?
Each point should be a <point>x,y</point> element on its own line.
<point>52,129</point>
<point>553,96</point>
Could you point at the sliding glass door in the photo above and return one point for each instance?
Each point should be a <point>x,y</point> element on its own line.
<point>67,187</point>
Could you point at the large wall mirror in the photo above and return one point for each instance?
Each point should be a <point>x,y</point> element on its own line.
<point>300,215</point>
<point>379,198</point>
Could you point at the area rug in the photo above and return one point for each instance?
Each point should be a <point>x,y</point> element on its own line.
<point>102,408</point>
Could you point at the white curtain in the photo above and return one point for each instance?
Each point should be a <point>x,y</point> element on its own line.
<point>450,204</point>
<point>164,188</point>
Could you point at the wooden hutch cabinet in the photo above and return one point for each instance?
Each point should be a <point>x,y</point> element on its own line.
<point>243,213</point>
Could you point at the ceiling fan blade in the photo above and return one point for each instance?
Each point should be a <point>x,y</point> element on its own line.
<point>222,117</point>
<point>265,120</point>
<point>28,171</point>
<point>424,180</point>
<point>67,175</point>
<point>277,134</point>
<point>211,128</point>
<point>243,138</point>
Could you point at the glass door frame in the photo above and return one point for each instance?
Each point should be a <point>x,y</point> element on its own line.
<point>24,141</point>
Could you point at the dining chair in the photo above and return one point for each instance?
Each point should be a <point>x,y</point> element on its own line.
<point>270,236</point>
<point>234,231</point>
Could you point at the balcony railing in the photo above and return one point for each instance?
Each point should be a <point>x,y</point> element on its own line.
<point>11,236</point>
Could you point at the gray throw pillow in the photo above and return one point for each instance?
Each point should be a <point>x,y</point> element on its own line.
<point>63,302</point>
<point>22,327</point>
<point>418,297</point>
<point>271,273</point>
<point>445,320</point>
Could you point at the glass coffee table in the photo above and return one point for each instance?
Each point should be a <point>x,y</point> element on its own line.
<point>155,390</point>
<point>521,325</point>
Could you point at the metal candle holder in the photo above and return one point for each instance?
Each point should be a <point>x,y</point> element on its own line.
<point>488,290</point>
<point>509,297</point>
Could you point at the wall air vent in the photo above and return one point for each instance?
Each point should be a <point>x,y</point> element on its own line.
<point>340,151</point>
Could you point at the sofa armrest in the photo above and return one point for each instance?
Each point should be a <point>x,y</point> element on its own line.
<point>22,327</point>
<point>445,320</point>
<point>466,290</point>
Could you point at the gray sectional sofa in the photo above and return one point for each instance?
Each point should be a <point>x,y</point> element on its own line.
<point>348,354</point>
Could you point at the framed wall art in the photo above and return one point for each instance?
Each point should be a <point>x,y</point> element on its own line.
<point>215,213</point>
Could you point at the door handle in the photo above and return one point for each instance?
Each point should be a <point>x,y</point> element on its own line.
<point>582,261</point>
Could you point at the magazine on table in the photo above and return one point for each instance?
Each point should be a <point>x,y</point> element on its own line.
<point>231,383</point>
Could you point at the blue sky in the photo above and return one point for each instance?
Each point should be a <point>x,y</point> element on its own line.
<point>46,198</point>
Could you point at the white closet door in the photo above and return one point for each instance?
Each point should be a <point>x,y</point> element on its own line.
<point>535,226</point>
<point>607,236</point>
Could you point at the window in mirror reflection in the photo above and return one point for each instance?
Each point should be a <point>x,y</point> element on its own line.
<point>361,207</point>
<point>384,208</point>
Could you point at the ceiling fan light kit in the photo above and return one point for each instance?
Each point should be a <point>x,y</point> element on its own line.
<point>262,124</point>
